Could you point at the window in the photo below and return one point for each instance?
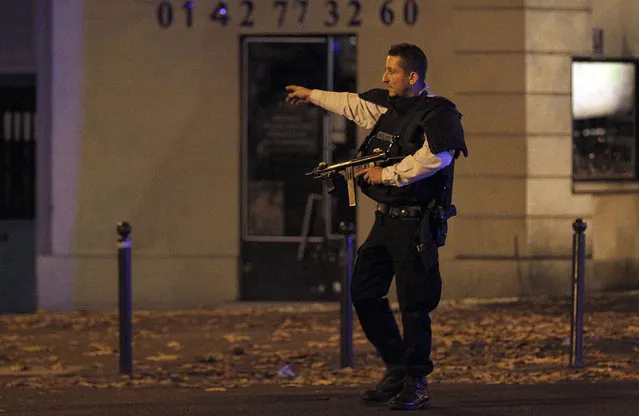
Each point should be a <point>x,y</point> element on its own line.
<point>604,124</point>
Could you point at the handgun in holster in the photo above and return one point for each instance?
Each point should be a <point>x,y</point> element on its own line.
<point>441,208</point>
<point>439,216</point>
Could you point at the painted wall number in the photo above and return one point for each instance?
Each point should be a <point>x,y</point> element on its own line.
<point>245,12</point>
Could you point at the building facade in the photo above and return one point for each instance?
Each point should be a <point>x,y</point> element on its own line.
<point>141,116</point>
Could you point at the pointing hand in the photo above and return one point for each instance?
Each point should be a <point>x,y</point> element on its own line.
<point>297,94</point>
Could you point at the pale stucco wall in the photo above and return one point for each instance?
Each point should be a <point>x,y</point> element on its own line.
<point>516,238</point>
<point>616,243</point>
<point>157,144</point>
<point>148,130</point>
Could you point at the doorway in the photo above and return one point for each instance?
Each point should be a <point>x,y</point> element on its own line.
<point>17,193</point>
<point>290,242</point>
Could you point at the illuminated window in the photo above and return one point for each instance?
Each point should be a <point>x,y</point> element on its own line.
<point>604,120</point>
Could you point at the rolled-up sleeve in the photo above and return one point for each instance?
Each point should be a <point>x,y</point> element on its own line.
<point>422,164</point>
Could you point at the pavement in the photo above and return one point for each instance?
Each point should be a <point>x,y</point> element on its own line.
<point>493,357</point>
<point>565,399</point>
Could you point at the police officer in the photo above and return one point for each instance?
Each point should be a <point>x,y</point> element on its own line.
<point>423,135</point>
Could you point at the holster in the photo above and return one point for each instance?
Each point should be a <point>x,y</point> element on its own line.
<point>438,222</point>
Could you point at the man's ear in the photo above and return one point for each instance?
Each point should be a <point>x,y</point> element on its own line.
<point>413,77</point>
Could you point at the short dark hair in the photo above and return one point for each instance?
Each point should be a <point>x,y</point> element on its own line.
<point>414,58</point>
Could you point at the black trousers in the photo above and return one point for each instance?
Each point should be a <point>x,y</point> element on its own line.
<point>391,250</point>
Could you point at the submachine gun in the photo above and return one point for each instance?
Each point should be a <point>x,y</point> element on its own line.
<point>328,173</point>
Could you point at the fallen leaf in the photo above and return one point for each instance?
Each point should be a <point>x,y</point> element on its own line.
<point>323,382</point>
<point>234,338</point>
<point>174,345</point>
<point>32,348</point>
<point>162,357</point>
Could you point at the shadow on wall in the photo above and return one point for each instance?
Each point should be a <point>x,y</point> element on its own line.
<point>629,14</point>
<point>554,277</point>
<point>613,275</point>
<point>626,50</point>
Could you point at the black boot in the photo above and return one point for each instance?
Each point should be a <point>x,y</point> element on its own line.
<point>389,386</point>
<point>413,396</point>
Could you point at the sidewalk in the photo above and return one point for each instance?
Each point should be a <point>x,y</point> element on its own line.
<point>516,341</point>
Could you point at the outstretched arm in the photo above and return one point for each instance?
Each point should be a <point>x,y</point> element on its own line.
<point>364,113</point>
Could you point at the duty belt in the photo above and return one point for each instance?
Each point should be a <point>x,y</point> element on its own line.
<point>400,210</point>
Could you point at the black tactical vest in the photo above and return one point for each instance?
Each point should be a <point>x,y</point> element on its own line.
<point>404,125</point>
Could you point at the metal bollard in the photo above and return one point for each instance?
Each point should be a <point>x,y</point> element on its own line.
<point>578,283</point>
<point>124,296</point>
<point>346,305</point>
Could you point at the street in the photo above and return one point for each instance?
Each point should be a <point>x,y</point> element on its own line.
<point>578,398</point>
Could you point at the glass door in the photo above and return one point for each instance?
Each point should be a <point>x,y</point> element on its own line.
<point>290,245</point>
